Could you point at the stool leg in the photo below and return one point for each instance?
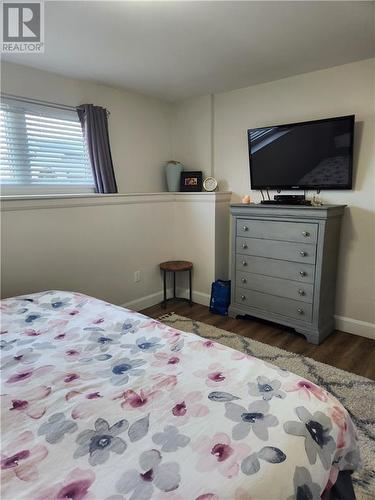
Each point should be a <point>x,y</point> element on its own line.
<point>165,289</point>
<point>190,290</point>
<point>174,284</point>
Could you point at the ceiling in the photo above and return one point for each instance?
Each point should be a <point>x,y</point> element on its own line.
<point>177,49</point>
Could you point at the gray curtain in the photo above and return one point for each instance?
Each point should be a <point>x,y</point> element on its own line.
<point>94,123</point>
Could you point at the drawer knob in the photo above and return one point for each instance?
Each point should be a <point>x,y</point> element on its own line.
<point>243,297</point>
<point>244,280</point>
<point>244,245</point>
<point>303,253</point>
<point>302,273</point>
<point>300,311</point>
<point>306,234</point>
<point>245,228</point>
<point>301,292</point>
<point>244,263</point>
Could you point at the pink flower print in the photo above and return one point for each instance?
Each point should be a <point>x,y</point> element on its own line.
<point>219,452</point>
<point>166,360</point>
<point>20,376</point>
<point>333,475</point>
<point>31,332</point>
<point>82,299</point>
<point>142,400</point>
<point>73,312</point>
<point>29,402</point>
<point>237,355</point>
<point>339,416</point>
<point>93,395</point>
<point>83,410</point>
<point>169,495</point>
<point>216,375</point>
<point>207,346</point>
<point>67,379</point>
<point>23,377</point>
<point>207,496</point>
<point>88,404</point>
<point>20,458</point>
<point>172,335</point>
<point>72,354</point>
<point>71,379</point>
<point>25,356</point>
<point>162,381</point>
<point>76,486</point>
<point>67,335</point>
<point>305,389</point>
<point>241,494</point>
<point>57,323</point>
<point>185,406</point>
<point>71,394</point>
<point>174,338</point>
<point>154,325</point>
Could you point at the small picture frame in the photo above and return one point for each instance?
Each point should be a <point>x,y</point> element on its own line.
<point>191,181</point>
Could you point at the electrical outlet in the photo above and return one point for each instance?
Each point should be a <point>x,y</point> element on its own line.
<point>137,276</point>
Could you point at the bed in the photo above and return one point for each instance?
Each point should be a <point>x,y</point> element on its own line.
<point>99,402</point>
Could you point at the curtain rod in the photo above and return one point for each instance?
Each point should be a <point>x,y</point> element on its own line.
<point>40,102</point>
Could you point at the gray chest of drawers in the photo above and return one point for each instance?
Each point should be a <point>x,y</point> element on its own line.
<point>283,265</point>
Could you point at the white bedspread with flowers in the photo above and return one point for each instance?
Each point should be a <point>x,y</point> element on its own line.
<point>98,402</point>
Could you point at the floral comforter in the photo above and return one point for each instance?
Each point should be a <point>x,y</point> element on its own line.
<point>99,402</point>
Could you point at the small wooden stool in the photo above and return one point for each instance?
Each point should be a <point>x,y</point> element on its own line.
<point>175,266</point>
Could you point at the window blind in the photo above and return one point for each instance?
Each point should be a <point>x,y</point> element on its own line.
<point>42,146</point>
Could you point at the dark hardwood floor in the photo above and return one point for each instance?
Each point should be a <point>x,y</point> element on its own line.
<point>343,350</point>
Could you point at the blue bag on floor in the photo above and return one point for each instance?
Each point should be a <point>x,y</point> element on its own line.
<point>220,297</point>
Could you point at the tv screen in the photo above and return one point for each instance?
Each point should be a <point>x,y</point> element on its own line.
<point>309,155</point>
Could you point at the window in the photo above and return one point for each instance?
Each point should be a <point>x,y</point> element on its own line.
<point>42,150</point>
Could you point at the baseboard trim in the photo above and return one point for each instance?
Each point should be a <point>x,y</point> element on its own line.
<point>157,298</point>
<point>201,298</point>
<point>348,325</point>
<point>355,326</point>
<point>198,297</point>
<point>144,302</point>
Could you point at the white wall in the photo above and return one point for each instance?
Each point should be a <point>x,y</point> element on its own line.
<point>92,249</point>
<point>139,126</point>
<point>95,244</point>
<point>336,91</point>
<point>191,134</point>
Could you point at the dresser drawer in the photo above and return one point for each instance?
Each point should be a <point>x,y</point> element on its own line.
<point>284,250</point>
<point>270,303</point>
<point>275,286</point>
<point>303,232</point>
<point>303,273</point>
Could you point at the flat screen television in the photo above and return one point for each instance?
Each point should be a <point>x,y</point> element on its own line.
<point>309,155</point>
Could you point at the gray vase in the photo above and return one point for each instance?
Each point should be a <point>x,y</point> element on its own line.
<point>173,172</point>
